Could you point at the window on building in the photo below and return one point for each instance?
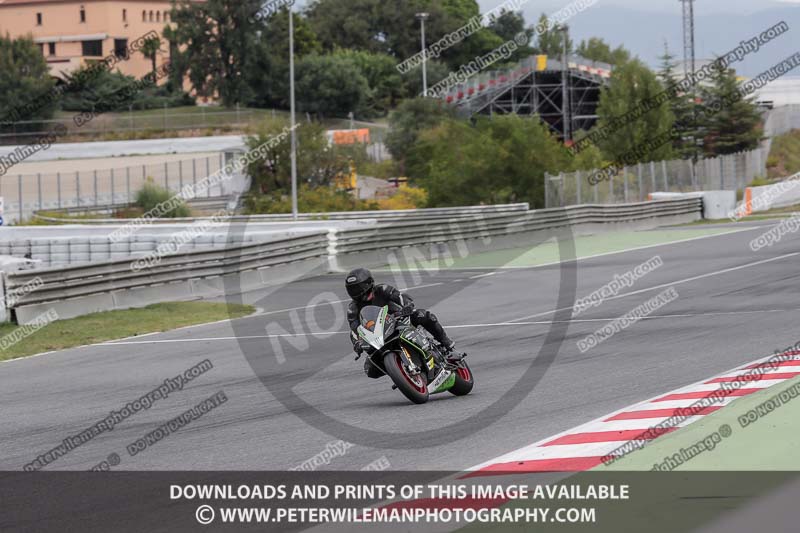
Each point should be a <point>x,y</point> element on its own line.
<point>83,14</point>
<point>41,48</point>
<point>121,48</point>
<point>166,16</point>
<point>158,16</point>
<point>151,16</point>
<point>92,48</point>
<point>144,16</point>
<point>38,19</point>
<point>51,49</point>
<point>124,15</point>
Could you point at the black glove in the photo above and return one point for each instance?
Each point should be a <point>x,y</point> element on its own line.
<point>406,311</point>
<point>360,347</point>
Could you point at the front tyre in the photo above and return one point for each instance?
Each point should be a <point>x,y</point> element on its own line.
<point>415,388</point>
<point>464,380</point>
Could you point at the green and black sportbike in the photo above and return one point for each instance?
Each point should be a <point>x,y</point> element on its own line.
<point>410,355</point>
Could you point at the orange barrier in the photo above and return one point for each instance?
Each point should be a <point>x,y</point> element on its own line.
<point>351,136</point>
<point>748,201</point>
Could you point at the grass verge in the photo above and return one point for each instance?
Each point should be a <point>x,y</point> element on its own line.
<point>757,437</point>
<point>110,325</point>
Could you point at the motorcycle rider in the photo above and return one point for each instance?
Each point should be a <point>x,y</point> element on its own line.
<point>362,289</point>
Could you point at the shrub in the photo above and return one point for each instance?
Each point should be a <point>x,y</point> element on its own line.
<point>309,200</point>
<point>406,198</point>
<point>758,181</point>
<point>151,195</point>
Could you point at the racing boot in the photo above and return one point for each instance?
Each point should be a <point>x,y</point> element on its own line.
<point>449,350</point>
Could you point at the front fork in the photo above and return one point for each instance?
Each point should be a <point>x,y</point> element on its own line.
<point>408,362</point>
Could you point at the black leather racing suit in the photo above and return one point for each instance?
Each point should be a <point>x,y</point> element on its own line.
<point>387,295</point>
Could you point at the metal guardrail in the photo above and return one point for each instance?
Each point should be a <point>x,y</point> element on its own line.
<point>74,281</point>
<point>414,233</point>
<point>403,214</point>
<point>212,203</point>
<point>57,286</point>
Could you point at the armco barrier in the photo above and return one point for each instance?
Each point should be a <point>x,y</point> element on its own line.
<point>402,214</point>
<point>370,246</point>
<point>78,290</point>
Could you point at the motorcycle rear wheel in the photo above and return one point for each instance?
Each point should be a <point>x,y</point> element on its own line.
<point>415,388</point>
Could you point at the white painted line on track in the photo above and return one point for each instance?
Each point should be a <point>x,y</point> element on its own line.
<point>454,326</point>
<point>673,283</point>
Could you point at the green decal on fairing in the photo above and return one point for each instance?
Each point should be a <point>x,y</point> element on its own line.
<point>447,385</point>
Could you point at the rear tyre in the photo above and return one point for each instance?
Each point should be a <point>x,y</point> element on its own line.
<point>464,381</point>
<point>415,388</point>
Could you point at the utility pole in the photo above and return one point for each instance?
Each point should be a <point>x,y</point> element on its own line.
<point>565,93</point>
<point>422,18</point>
<point>293,121</point>
<point>688,36</point>
<point>690,69</point>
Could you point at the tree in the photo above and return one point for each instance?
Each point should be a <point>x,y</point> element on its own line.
<point>331,85</point>
<point>26,88</point>
<point>682,107</point>
<point>385,82</point>
<point>150,50</point>
<point>412,80</point>
<point>733,123</point>
<point>498,160</point>
<point>408,120</point>
<point>632,85</point>
<point>96,92</point>
<point>392,28</point>
<point>596,49</point>
<point>317,161</point>
<point>551,40</point>
<point>216,38</point>
<point>508,25</point>
<point>267,65</point>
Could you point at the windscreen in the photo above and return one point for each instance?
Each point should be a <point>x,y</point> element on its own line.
<point>369,317</point>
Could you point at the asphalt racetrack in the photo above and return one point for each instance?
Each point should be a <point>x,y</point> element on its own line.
<point>291,397</point>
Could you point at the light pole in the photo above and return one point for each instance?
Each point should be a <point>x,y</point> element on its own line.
<point>293,124</point>
<point>565,79</point>
<point>422,18</point>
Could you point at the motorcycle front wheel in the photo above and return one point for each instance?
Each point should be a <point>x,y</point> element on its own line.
<point>415,388</point>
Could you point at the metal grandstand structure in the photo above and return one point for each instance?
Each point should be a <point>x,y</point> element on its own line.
<point>537,85</point>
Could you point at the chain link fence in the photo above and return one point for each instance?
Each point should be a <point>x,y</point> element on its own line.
<point>635,183</point>
<point>26,193</point>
